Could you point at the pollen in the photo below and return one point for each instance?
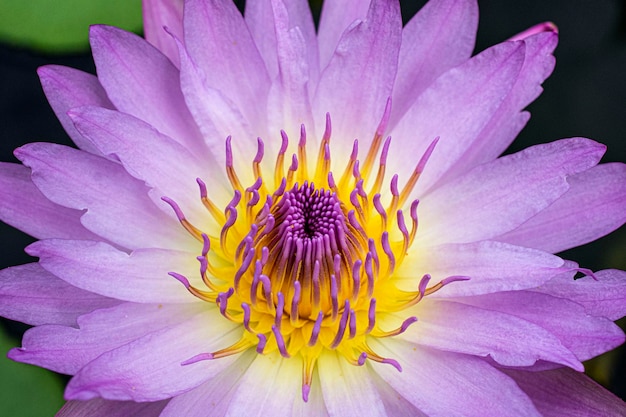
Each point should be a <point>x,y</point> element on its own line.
<point>305,261</point>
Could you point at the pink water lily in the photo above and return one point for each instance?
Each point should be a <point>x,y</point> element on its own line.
<point>265,218</point>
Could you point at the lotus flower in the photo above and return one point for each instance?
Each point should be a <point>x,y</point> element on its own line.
<point>266,219</point>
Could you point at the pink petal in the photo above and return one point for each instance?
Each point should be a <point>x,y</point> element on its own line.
<point>508,340</point>
<point>270,386</point>
<point>336,18</point>
<point>440,36</point>
<point>67,349</point>
<point>32,295</point>
<point>346,391</point>
<point>491,266</point>
<point>148,155</point>
<point>149,368</point>
<point>395,404</point>
<point>515,187</point>
<point>565,392</point>
<point>259,16</point>
<point>23,206</point>
<point>220,43</point>
<point>289,96</point>
<point>141,276</point>
<point>584,335</point>
<point>604,297</point>
<point>509,119</point>
<point>118,207</point>
<point>216,114</point>
<point>455,108</point>
<point>450,384</point>
<point>213,397</point>
<point>103,408</point>
<point>161,14</point>
<point>358,80</point>
<point>123,59</point>
<point>593,206</point>
<point>66,88</point>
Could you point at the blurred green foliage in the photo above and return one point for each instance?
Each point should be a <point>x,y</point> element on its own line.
<point>25,390</point>
<point>60,26</point>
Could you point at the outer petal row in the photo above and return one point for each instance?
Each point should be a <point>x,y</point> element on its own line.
<point>123,59</point>
<point>149,368</point>
<point>591,208</point>
<point>463,210</point>
<point>30,294</point>
<point>140,276</point>
<point>103,408</point>
<point>23,206</point>
<point>443,384</point>
<point>367,52</point>
<point>118,207</point>
<point>67,349</point>
<point>564,392</point>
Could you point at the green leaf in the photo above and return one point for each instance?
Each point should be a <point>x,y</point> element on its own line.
<point>26,390</point>
<point>62,26</point>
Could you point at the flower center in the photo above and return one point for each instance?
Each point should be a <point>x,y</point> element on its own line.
<point>313,245</point>
<point>310,269</point>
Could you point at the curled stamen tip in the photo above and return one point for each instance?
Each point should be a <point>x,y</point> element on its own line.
<point>182,279</point>
<point>174,207</point>
<point>294,163</point>
<point>362,359</point>
<point>394,186</point>
<point>203,189</point>
<point>284,142</point>
<point>306,389</point>
<point>454,278</point>
<point>260,151</point>
<point>406,323</point>
<point>262,342</point>
<point>393,363</point>
<point>424,283</point>
<point>198,358</point>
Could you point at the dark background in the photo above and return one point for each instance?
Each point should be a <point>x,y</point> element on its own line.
<point>585,96</point>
